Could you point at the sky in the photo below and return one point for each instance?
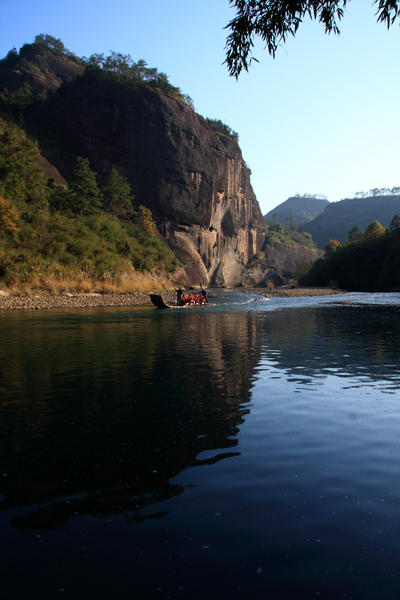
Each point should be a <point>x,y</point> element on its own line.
<point>322,118</point>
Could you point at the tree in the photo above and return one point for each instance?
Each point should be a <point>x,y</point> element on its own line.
<point>274,20</point>
<point>50,42</point>
<point>60,197</point>
<point>219,127</point>
<point>21,178</point>
<point>374,231</point>
<point>8,218</point>
<point>332,246</point>
<point>395,223</point>
<point>117,194</point>
<point>86,195</point>
<point>355,234</point>
<point>144,219</point>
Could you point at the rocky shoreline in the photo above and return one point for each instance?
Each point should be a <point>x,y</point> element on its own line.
<point>68,300</point>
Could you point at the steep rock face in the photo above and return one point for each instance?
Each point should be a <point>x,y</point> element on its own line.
<point>279,265</point>
<point>194,181</point>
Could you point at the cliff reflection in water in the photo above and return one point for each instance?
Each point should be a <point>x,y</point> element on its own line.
<point>100,410</point>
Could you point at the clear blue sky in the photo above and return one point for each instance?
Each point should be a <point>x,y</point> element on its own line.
<point>323,117</point>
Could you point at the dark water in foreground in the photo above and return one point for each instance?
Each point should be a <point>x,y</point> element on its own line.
<point>251,449</point>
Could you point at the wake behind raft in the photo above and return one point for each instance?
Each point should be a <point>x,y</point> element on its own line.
<point>158,301</point>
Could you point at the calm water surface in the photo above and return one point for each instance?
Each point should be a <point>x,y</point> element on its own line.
<point>249,449</point>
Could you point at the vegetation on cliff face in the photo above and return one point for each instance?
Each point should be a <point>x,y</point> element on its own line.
<point>120,67</point>
<point>368,261</point>
<point>287,234</point>
<point>116,67</point>
<point>52,234</point>
<point>222,129</point>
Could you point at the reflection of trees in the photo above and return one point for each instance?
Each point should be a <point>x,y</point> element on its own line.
<point>102,409</point>
<point>348,339</point>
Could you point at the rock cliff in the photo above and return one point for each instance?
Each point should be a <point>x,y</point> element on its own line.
<point>194,180</point>
<point>278,266</point>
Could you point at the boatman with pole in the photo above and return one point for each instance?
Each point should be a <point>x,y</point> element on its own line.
<point>179,297</point>
<point>204,294</point>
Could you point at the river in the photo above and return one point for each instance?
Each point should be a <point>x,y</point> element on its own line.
<point>249,448</point>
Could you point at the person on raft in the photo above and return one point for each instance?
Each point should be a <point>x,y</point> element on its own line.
<point>203,294</point>
<point>179,301</point>
<point>193,300</point>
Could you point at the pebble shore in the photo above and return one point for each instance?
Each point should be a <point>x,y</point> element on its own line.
<point>68,300</point>
<point>44,301</point>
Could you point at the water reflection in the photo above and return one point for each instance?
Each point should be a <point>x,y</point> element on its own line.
<point>311,343</point>
<point>103,412</point>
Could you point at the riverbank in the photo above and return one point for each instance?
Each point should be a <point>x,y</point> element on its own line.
<point>69,300</point>
<point>285,291</point>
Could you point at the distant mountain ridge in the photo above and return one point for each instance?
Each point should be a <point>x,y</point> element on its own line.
<point>303,208</point>
<point>339,218</point>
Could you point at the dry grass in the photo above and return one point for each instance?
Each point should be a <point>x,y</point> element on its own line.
<point>127,283</point>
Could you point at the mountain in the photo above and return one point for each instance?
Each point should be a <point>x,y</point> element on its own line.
<point>194,181</point>
<point>339,218</point>
<point>190,174</point>
<point>303,208</point>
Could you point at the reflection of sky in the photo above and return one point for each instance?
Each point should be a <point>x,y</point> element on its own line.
<point>360,344</point>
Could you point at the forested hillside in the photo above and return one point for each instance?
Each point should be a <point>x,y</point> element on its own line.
<point>124,161</point>
<point>76,237</point>
<point>339,217</point>
<point>368,261</point>
<point>303,208</point>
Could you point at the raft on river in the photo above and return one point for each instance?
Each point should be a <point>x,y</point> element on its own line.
<point>158,301</point>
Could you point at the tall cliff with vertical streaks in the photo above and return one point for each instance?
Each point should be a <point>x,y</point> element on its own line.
<point>194,180</point>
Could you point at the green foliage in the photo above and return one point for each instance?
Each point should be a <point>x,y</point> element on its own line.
<point>86,197</point>
<point>287,234</point>
<point>50,43</point>
<point>117,194</point>
<point>222,129</point>
<point>19,98</point>
<point>49,228</point>
<point>9,61</point>
<point>374,230</point>
<point>332,246</point>
<point>47,44</point>
<point>303,208</point>
<point>395,223</point>
<point>303,270</point>
<point>8,218</point>
<point>21,179</point>
<point>97,245</point>
<point>338,217</point>
<point>274,21</point>
<point>369,264</point>
<point>119,67</point>
<point>59,196</point>
<point>355,234</point>
<point>277,234</point>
